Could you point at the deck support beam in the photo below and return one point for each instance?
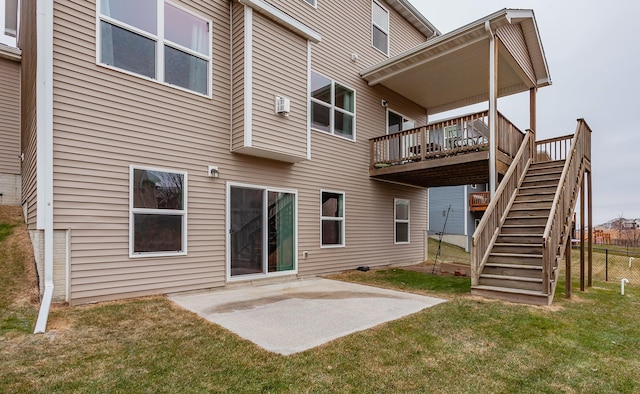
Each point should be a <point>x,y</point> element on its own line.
<point>590,231</point>
<point>493,108</point>
<point>532,118</point>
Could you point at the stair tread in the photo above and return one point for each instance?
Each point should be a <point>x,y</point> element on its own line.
<point>523,225</point>
<point>500,254</point>
<point>514,266</point>
<point>511,277</point>
<point>509,290</point>
<point>515,244</point>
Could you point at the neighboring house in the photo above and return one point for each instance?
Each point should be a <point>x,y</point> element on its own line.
<point>10,57</point>
<point>454,204</point>
<point>185,145</point>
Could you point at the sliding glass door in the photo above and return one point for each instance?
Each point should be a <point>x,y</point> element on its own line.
<point>262,231</point>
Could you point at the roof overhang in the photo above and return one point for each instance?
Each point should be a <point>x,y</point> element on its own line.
<point>452,70</point>
<point>408,11</point>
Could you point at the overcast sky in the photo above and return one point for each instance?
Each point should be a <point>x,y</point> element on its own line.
<point>593,53</point>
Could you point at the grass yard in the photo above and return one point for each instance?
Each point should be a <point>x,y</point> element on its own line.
<point>585,345</point>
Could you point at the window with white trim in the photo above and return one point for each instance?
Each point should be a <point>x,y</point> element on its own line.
<point>380,27</point>
<point>158,212</point>
<point>157,40</point>
<point>332,219</point>
<point>333,107</point>
<point>312,2</point>
<point>9,22</point>
<point>401,221</point>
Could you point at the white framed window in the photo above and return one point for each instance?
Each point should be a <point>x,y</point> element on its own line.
<point>332,219</point>
<point>158,212</point>
<point>313,3</point>
<point>262,231</point>
<point>9,21</point>
<point>155,39</point>
<point>333,107</point>
<point>401,221</point>
<point>380,27</point>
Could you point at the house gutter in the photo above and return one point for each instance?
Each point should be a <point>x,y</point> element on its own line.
<point>44,144</point>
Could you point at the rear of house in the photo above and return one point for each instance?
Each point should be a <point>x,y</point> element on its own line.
<point>184,145</point>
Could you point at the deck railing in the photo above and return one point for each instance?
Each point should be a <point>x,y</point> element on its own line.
<point>559,223</point>
<point>462,134</point>
<point>487,231</point>
<point>479,201</point>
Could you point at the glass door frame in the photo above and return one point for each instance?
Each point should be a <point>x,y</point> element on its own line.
<point>265,273</point>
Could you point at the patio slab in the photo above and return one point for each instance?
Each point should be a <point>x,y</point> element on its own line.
<point>291,317</point>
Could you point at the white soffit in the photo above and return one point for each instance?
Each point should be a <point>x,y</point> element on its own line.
<point>451,71</point>
<point>280,17</point>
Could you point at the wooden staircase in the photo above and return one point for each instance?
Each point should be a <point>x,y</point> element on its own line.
<point>519,243</point>
<point>513,270</point>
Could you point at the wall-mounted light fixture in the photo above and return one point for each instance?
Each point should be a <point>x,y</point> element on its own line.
<point>213,172</point>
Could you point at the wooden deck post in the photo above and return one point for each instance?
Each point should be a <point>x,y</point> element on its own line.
<point>567,262</point>
<point>493,109</point>
<point>590,234</point>
<point>582,193</point>
<point>532,118</point>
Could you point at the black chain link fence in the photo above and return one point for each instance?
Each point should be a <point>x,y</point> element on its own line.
<point>609,263</point>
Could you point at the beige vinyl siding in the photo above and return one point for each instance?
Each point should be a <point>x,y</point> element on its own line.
<point>9,117</point>
<point>105,121</point>
<point>279,69</point>
<point>348,24</point>
<point>237,76</point>
<point>513,39</point>
<point>28,43</point>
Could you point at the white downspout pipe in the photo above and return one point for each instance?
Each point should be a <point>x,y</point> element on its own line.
<point>44,133</point>
<point>493,110</point>
<point>622,283</point>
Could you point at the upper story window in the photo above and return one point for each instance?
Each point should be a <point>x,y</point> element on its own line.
<point>333,107</point>
<point>312,2</point>
<point>380,27</point>
<point>157,40</point>
<point>8,22</point>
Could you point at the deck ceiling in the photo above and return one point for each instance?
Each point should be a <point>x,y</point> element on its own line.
<point>452,70</point>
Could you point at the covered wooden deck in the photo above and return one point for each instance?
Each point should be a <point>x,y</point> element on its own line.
<point>445,153</point>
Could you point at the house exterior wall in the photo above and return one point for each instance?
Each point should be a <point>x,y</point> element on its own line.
<point>440,199</point>
<point>28,43</point>
<point>461,221</point>
<point>10,178</point>
<point>106,121</point>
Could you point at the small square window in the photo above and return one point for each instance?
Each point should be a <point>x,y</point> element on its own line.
<point>333,107</point>
<point>158,212</point>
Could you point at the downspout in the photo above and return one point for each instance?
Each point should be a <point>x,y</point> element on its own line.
<point>44,160</point>
<point>493,111</point>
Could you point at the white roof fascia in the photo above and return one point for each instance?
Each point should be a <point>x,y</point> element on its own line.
<point>284,19</point>
<point>418,20</point>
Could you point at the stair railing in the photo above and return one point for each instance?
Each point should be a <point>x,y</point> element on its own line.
<point>559,223</point>
<point>489,227</point>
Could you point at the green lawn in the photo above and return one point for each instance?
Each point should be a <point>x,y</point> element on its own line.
<point>590,344</point>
